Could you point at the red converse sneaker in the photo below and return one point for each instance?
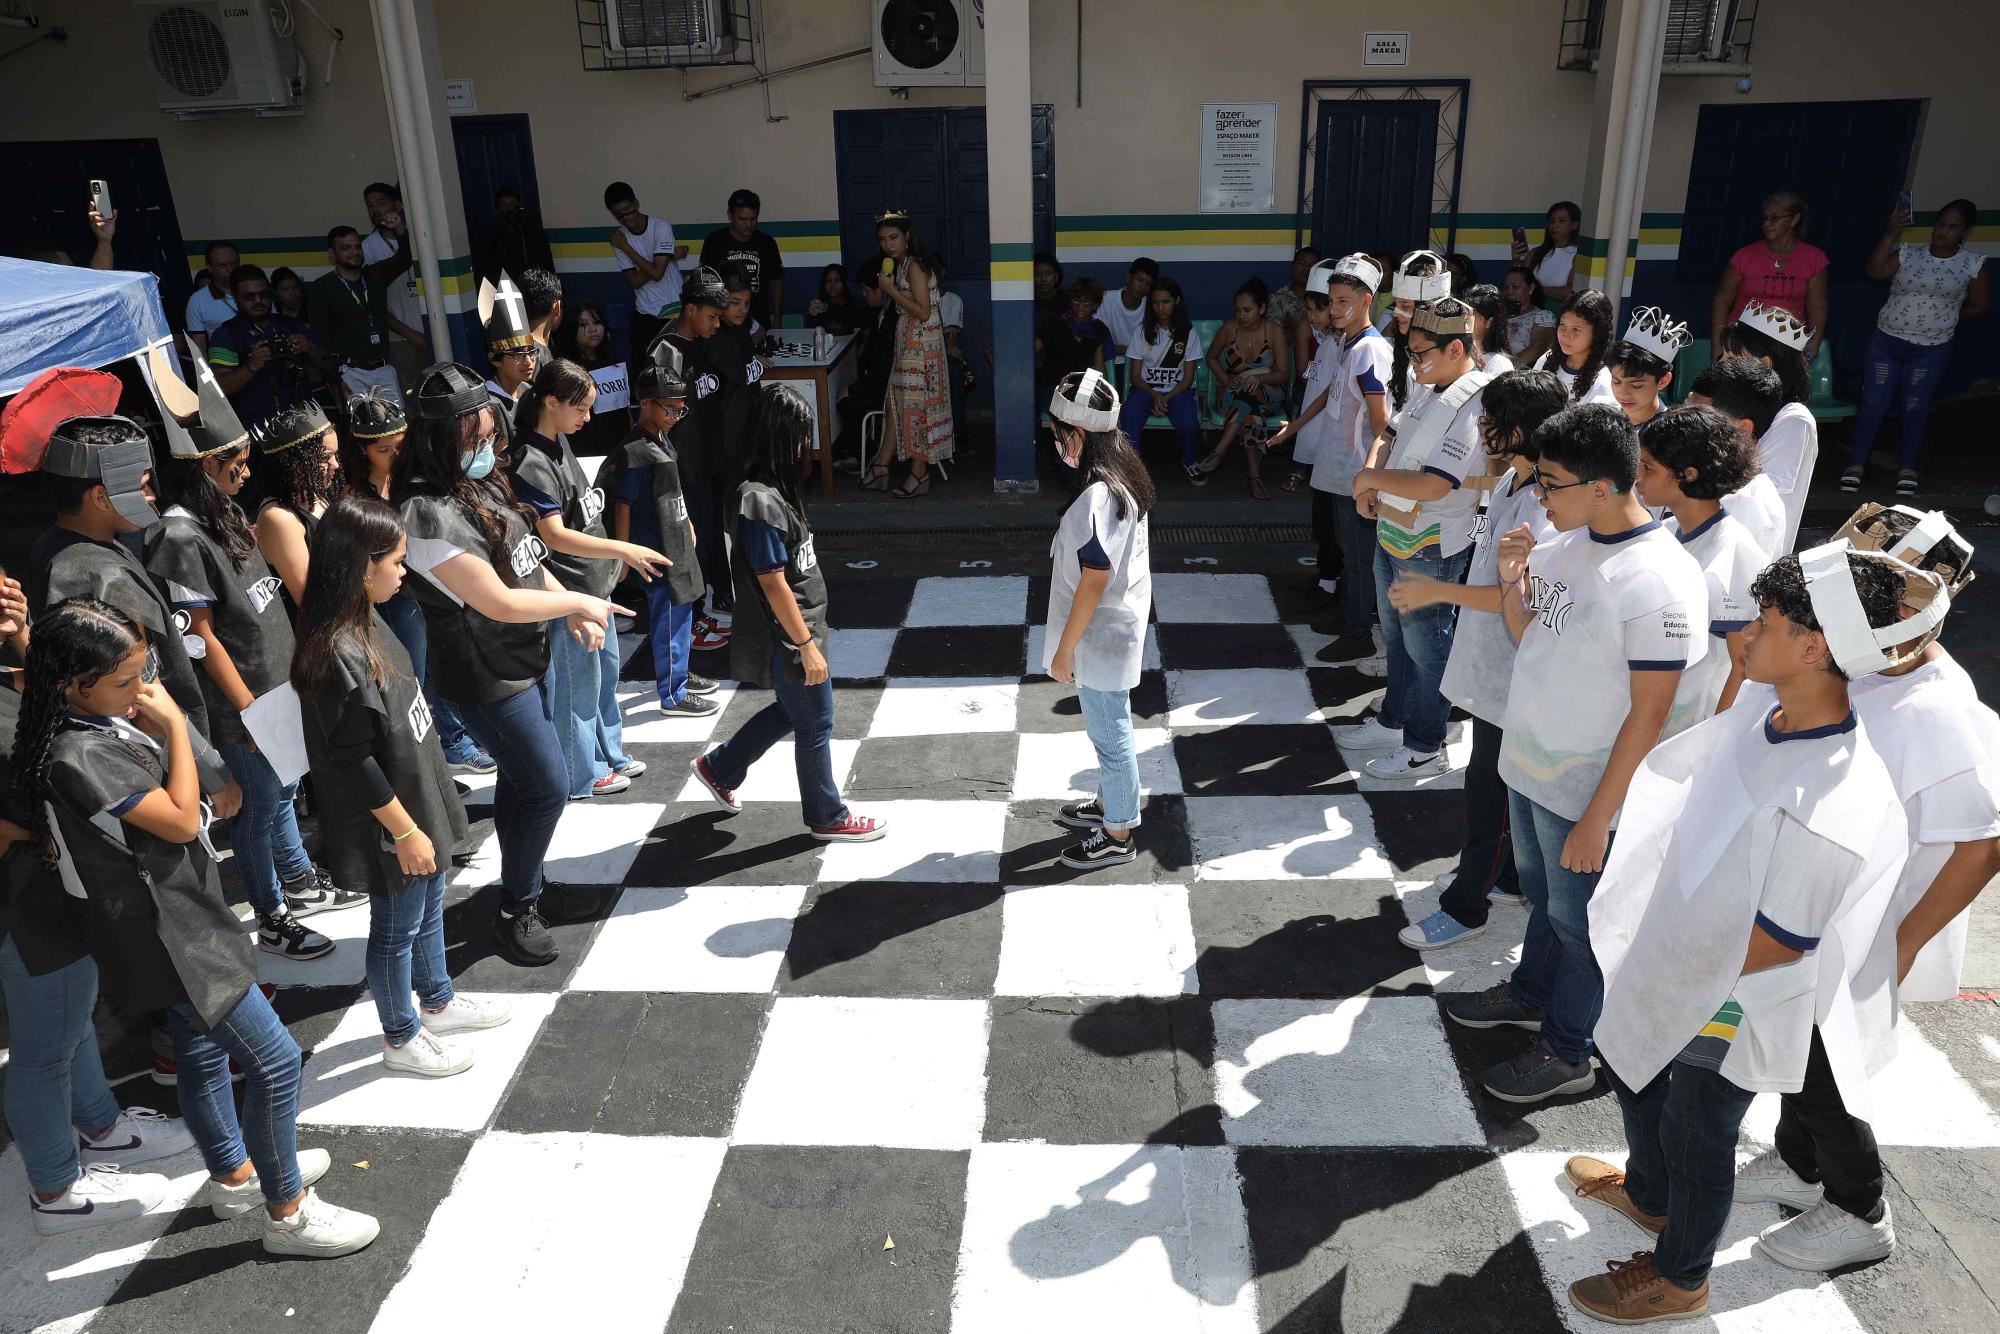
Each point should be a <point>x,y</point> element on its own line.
<point>710,635</point>
<point>724,797</point>
<point>851,828</point>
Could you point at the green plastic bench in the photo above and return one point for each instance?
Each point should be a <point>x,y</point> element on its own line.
<point>1824,404</point>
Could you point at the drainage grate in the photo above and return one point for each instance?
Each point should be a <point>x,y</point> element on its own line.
<point>1008,535</point>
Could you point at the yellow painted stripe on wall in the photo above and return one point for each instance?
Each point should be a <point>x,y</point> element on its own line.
<point>1012,270</point>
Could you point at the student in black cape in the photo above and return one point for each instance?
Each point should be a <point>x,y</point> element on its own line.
<point>700,441</point>
<point>106,752</point>
<point>298,470</point>
<point>389,812</point>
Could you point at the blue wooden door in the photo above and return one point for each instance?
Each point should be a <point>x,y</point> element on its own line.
<point>494,153</point>
<point>1372,176</point>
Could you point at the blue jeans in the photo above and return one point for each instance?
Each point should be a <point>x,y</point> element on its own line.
<point>1681,1131</point>
<point>406,619</point>
<point>672,629</point>
<point>519,732</point>
<point>1557,975</point>
<point>1181,412</point>
<point>1903,373</point>
<point>268,1132</point>
<point>1416,644</point>
<point>807,713</point>
<point>406,948</point>
<point>609,727</point>
<point>264,836</point>
<point>55,1080</point>
<point>1356,537</point>
<point>573,674</point>
<point>1107,719</point>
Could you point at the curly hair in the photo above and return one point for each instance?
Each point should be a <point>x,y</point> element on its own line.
<point>299,478</point>
<point>1593,441</point>
<point>74,643</point>
<point>1594,309</point>
<point>186,483</point>
<point>1706,440</point>
<point>1782,586</point>
<point>1516,403</point>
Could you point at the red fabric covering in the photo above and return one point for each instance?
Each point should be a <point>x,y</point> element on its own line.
<point>49,400</point>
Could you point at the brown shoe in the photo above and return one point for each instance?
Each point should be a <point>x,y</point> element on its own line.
<point>1598,1180</point>
<point>1632,1292</point>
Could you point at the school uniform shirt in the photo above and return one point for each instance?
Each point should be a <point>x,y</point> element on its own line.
<point>1787,454</point>
<point>646,475</point>
<point>1321,377</point>
<point>1730,559</point>
<point>1123,323</point>
<point>474,660</point>
<point>1481,666</point>
<point>406,302</point>
<point>245,601</point>
<point>154,915</point>
<point>1761,510</point>
<point>548,477</point>
<point>1427,436</point>
<point>35,913</point>
<point>1094,535</point>
<point>1363,370</point>
<point>1603,606</point>
<point>1600,388</point>
<point>770,535</point>
<point>1731,826</point>
<point>658,293</point>
<point>370,742</point>
<point>1497,364</point>
<point>1156,371</point>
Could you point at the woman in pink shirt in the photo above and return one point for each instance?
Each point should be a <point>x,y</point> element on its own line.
<point>1782,269</point>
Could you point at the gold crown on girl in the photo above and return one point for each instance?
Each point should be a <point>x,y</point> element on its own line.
<point>892,215</point>
<point>1653,330</point>
<point>1778,322</point>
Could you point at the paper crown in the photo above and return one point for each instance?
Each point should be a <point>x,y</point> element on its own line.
<point>288,428</point>
<point>204,411</point>
<point>449,390</point>
<point>1652,330</point>
<point>664,375</point>
<point>1071,402</point>
<point>1359,267</point>
<point>1858,648</point>
<point>373,415</point>
<point>44,404</point>
<point>503,313</point>
<point>1930,543</point>
<point>1444,318</point>
<point>892,215</point>
<point>1408,286</point>
<point>1778,322</point>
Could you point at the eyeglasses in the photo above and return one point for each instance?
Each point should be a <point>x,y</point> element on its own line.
<point>1420,353</point>
<point>1545,488</point>
<point>1778,217</point>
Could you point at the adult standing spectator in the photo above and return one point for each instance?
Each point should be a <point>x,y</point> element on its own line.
<point>650,259</point>
<point>1932,290</point>
<point>288,292</point>
<point>349,310</point>
<point>1553,260</point>
<point>213,303</point>
<point>916,422</point>
<point>1781,269</point>
<point>263,360</point>
<point>408,347</point>
<point>741,243</point>
<point>518,241</point>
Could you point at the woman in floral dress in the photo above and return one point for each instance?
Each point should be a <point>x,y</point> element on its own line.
<point>916,416</point>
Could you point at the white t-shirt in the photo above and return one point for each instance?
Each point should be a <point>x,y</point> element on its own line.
<point>656,240</point>
<point>1786,454</point>
<point>1442,527</point>
<point>406,302</point>
<point>1123,323</point>
<point>1113,647</point>
<point>1730,559</point>
<point>1149,353</point>
<point>1759,508</point>
<point>951,310</point>
<point>1555,268</point>
<point>207,312</point>
<point>1926,293</point>
<point>1481,665</point>
<point>1321,379</point>
<point>1604,607</point>
<point>1600,388</point>
<point>1363,370</point>
<point>1521,328</point>
<point>1497,363</point>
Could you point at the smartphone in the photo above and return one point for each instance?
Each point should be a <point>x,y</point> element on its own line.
<point>1906,202</point>
<point>100,198</point>
<point>1520,236</point>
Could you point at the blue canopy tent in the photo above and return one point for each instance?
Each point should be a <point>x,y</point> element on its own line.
<point>56,315</point>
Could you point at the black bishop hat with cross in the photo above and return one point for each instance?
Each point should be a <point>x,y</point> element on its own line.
<point>504,314</point>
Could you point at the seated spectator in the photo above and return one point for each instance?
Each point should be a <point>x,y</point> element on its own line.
<point>1163,356</point>
<point>1531,329</point>
<point>263,360</point>
<point>584,337</point>
<point>518,242</point>
<point>871,378</point>
<point>214,299</point>
<point>288,293</point>
<point>836,307</point>
<point>1553,260</point>
<point>1126,307</point>
<point>1464,273</point>
<point>958,371</point>
<point>1048,285</point>
<point>755,252</point>
<point>1287,309</point>
<point>1781,269</point>
<point>1250,362</point>
<point>1076,340</point>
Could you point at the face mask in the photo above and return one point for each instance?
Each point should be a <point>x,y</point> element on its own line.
<point>476,463</point>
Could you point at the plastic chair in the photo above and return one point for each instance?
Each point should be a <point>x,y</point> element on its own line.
<point>1823,403</point>
<point>1691,361</point>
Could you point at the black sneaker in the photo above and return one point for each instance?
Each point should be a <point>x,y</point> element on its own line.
<point>691,706</point>
<point>1537,1073</point>
<point>523,938</point>
<point>563,903</point>
<point>1099,849</point>
<point>701,685</point>
<point>315,892</point>
<point>1494,1007</point>
<point>1082,814</point>
<point>1347,648</point>
<point>283,935</point>
<point>1196,475</point>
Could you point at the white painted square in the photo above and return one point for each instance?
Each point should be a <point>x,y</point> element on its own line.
<point>1920,1099</point>
<point>775,775</point>
<point>344,1083</point>
<point>927,840</point>
<point>975,600</point>
<point>458,1278</point>
<point>945,706</point>
<point>1210,699</point>
<point>1746,1294</point>
<point>859,654</point>
<point>1082,1239</point>
<point>1364,1070</point>
<point>1062,766</point>
<point>645,725</point>
<point>1485,960</point>
<point>709,938</point>
<point>897,1073</point>
<point>1149,655</point>
<point>346,965</point>
<point>596,840</point>
<point>1213,599</point>
<point>1096,940</point>
<point>1284,838</point>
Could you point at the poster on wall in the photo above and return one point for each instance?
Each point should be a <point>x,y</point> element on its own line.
<point>1239,147</point>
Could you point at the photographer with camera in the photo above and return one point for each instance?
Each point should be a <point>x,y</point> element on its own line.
<point>518,242</point>
<point>349,309</point>
<point>263,360</point>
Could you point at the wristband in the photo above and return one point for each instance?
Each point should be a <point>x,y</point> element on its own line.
<point>803,644</point>
<point>398,838</point>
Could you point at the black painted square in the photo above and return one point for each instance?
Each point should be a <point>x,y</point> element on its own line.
<point>1120,1071</point>
<point>901,939</point>
<point>960,650</point>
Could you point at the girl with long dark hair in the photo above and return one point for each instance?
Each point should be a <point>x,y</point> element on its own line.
<point>1162,358</point>
<point>585,338</point>
<point>487,601</point>
<point>1788,450</point>
<point>1553,260</point>
<point>1489,328</point>
<point>298,468</point>
<point>916,420</point>
<point>1251,362</point>
<point>836,307</point>
<point>780,637</point>
<point>1099,600</point>
<point>389,812</point>
<point>105,752</point>
<point>1583,336</point>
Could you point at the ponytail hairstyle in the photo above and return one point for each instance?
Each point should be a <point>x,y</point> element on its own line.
<point>1790,363</point>
<point>76,642</point>
<point>1108,457</point>
<point>1593,308</point>
<point>428,463</point>
<point>354,532</point>
<point>184,482</point>
<point>1548,243</point>
<point>1484,298</point>
<point>1182,322</point>
<point>777,422</point>
<point>564,381</point>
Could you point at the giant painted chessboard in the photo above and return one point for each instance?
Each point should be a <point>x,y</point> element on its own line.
<point>938,1083</point>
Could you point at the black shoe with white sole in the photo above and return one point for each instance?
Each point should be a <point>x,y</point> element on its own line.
<point>1099,849</point>
<point>691,706</point>
<point>701,685</point>
<point>315,892</point>
<point>282,934</point>
<point>1082,814</point>
<point>523,938</point>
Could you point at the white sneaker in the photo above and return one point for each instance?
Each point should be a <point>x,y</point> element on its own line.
<point>1404,763</point>
<point>1377,667</point>
<point>100,1195</point>
<point>1827,1237</point>
<point>1370,735</point>
<point>426,1055</point>
<point>462,1014</point>
<point>320,1231</point>
<point>1766,1180</point>
<point>236,1201</point>
<point>139,1135</point>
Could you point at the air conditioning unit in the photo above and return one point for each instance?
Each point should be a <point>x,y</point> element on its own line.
<point>219,55</point>
<point>930,43</point>
<point>666,31</point>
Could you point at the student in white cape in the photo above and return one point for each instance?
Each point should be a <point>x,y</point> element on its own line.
<point>1759,853</point>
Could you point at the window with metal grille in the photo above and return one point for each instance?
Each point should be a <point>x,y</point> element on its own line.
<point>1702,36</point>
<point>665,34</point>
